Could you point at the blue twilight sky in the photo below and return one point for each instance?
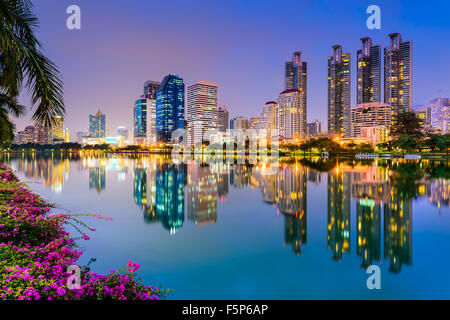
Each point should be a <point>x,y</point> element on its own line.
<point>240,44</point>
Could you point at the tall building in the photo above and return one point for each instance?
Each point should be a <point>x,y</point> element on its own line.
<point>150,89</point>
<point>314,128</point>
<point>339,92</point>
<point>368,87</point>
<point>169,107</point>
<point>140,121</point>
<point>292,115</point>
<point>222,118</point>
<point>67,135</point>
<point>440,114</point>
<point>239,123</point>
<point>58,130</point>
<point>254,123</point>
<point>201,113</point>
<point>424,115</point>
<point>97,125</point>
<point>270,115</point>
<point>123,132</point>
<point>398,75</point>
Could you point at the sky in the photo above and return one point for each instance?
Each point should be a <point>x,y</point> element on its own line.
<point>240,44</point>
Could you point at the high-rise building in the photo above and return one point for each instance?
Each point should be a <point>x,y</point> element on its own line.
<point>270,115</point>
<point>201,113</point>
<point>440,114</point>
<point>291,115</point>
<point>424,115</point>
<point>140,121</point>
<point>97,125</point>
<point>151,121</point>
<point>339,92</point>
<point>314,128</point>
<point>67,135</point>
<point>58,130</point>
<point>150,89</point>
<point>123,132</point>
<point>254,123</point>
<point>222,118</point>
<point>368,87</point>
<point>169,107</point>
<point>239,123</point>
<point>398,75</point>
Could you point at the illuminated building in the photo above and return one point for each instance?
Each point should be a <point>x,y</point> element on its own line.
<point>339,93</point>
<point>169,107</point>
<point>202,193</point>
<point>140,121</point>
<point>222,119</point>
<point>291,115</point>
<point>66,135</point>
<point>398,75</point>
<point>269,116</point>
<point>368,87</point>
<point>239,123</point>
<point>201,112</point>
<point>314,128</point>
<point>58,130</point>
<point>338,213</point>
<point>150,89</point>
<point>424,115</point>
<point>375,115</point>
<point>97,125</point>
<point>34,134</point>
<point>440,114</point>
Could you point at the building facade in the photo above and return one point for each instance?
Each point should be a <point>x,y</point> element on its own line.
<point>201,112</point>
<point>169,107</point>
<point>239,123</point>
<point>150,89</point>
<point>292,116</point>
<point>222,119</point>
<point>34,134</point>
<point>440,114</point>
<point>339,93</point>
<point>398,75</point>
<point>58,130</point>
<point>374,114</point>
<point>97,125</point>
<point>314,128</point>
<point>140,121</point>
<point>368,87</point>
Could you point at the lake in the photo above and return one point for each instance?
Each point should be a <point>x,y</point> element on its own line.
<point>306,229</point>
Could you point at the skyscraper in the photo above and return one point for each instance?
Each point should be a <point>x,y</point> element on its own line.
<point>97,126</point>
<point>169,107</point>
<point>150,89</point>
<point>58,130</point>
<point>201,112</point>
<point>398,75</point>
<point>440,114</point>
<point>222,118</point>
<point>368,87</point>
<point>291,115</point>
<point>140,121</point>
<point>270,115</point>
<point>339,92</point>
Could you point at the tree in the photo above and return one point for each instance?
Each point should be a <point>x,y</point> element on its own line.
<point>22,64</point>
<point>408,124</point>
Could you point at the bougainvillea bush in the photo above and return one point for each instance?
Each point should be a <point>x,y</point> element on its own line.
<point>36,254</point>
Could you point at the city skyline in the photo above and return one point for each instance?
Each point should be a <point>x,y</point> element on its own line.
<point>267,80</point>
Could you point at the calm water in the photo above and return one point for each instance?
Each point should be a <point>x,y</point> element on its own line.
<point>305,230</point>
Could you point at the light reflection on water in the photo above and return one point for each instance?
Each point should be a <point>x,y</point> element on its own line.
<point>305,229</point>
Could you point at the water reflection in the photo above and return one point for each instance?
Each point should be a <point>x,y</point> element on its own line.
<point>166,192</point>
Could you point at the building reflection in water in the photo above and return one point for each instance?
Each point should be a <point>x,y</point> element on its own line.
<point>162,189</point>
